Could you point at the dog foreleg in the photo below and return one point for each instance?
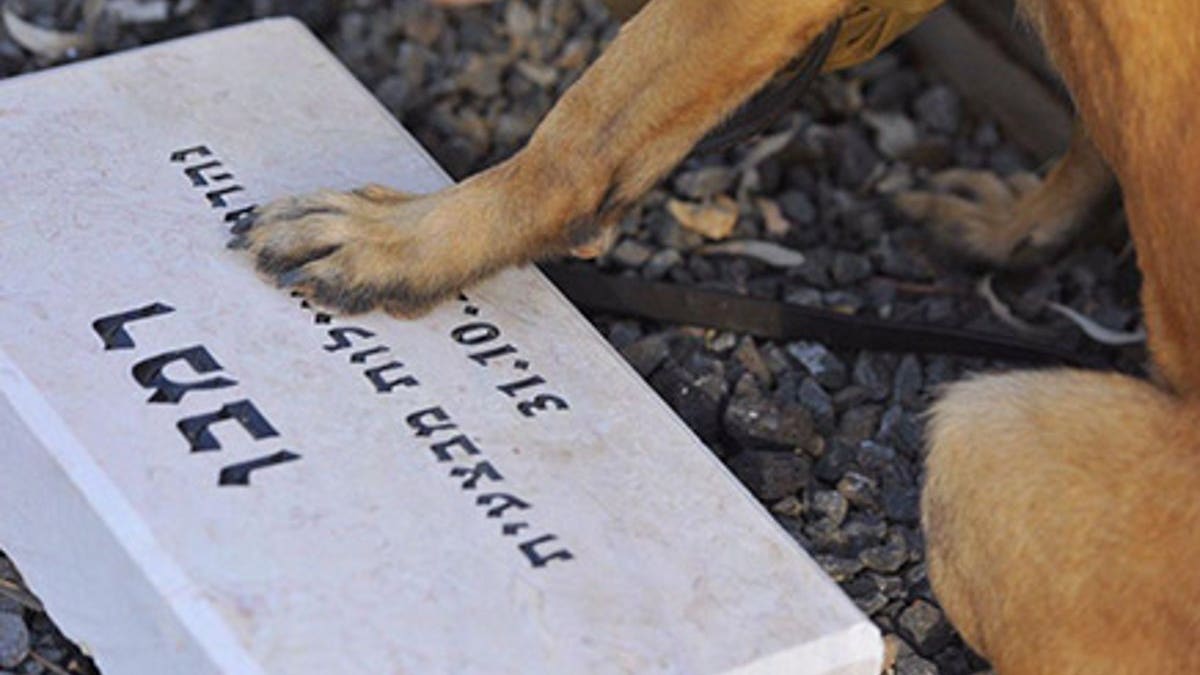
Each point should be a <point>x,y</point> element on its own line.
<point>673,72</point>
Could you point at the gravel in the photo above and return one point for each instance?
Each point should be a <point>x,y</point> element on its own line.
<point>14,640</point>
<point>829,439</point>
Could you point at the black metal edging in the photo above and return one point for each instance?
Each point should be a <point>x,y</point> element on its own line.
<point>673,303</point>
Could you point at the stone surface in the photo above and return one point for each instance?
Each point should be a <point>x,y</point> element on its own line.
<point>203,555</point>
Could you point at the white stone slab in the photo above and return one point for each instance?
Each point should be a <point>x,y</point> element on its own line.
<point>605,539</point>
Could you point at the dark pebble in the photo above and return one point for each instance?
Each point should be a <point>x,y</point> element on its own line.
<point>798,208</point>
<point>907,383</point>
<point>771,476</point>
<point>825,368</point>
<point>912,664</point>
<point>696,400</point>
<point>817,402</point>
<point>925,627</point>
<point>754,421</point>
<point>873,374</point>
<point>14,640</point>
<point>889,557</point>
<point>859,490</point>
<point>647,354</point>
<point>834,462</point>
<point>631,253</point>
<point>832,505</point>
<point>939,109</point>
<point>660,263</point>
<point>858,424</point>
<point>902,430</point>
<point>840,569</point>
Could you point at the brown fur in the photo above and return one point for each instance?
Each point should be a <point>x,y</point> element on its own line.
<point>1061,507</point>
<point>1019,220</point>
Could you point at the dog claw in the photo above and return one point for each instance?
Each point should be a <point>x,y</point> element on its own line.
<point>243,224</point>
<point>292,277</point>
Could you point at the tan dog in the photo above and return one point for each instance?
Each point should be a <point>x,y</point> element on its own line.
<point>1061,507</point>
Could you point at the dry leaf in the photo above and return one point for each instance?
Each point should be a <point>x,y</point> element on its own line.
<point>767,147</point>
<point>776,224</point>
<point>769,252</point>
<point>1001,310</point>
<point>715,219</point>
<point>52,44</point>
<point>1101,334</point>
<point>147,11</point>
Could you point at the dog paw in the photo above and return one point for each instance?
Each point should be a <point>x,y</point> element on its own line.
<point>354,251</point>
<point>998,221</point>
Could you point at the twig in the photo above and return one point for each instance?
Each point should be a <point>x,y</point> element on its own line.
<point>48,664</point>
<point>19,595</point>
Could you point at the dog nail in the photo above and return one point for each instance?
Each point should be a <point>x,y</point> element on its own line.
<point>244,223</point>
<point>291,277</point>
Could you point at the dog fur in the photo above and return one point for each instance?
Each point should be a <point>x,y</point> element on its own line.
<point>1060,506</point>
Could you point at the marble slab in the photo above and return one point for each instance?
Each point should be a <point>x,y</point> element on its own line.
<point>200,474</point>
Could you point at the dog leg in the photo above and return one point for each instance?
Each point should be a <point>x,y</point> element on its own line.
<point>1060,508</point>
<point>674,71</point>
<point>1018,221</point>
<point>1131,69</point>
<point>1060,517</point>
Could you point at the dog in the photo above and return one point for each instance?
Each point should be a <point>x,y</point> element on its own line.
<point>1060,506</point>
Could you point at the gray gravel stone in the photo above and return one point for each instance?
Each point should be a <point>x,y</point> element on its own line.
<point>895,134</point>
<point>872,374</point>
<point>901,502</point>
<point>902,430</point>
<point>631,253</point>
<point>750,358</point>
<point>647,354</point>
<point>756,422</point>
<point>817,402</point>
<point>704,183</point>
<point>797,207</point>
<point>850,268</point>
<point>939,109</point>
<point>834,462</point>
<point>696,399</point>
<point>14,640</point>
<point>858,424</point>
<point>888,557</point>
<point>825,368</point>
<point>925,627</point>
<point>871,603</point>
<point>850,397</point>
<point>858,489</point>
<point>771,476</point>
<point>841,569</point>
<point>912,664</point>
<point>907,383</point>
<point>660,263</point>
<point>832,505</point>
<point>855,159</point>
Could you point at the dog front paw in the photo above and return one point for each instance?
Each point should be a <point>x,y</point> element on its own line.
<point>356,251</point>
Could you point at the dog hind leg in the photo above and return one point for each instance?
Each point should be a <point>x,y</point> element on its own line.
<point>1061,518</point>
<point>1017,221</point>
